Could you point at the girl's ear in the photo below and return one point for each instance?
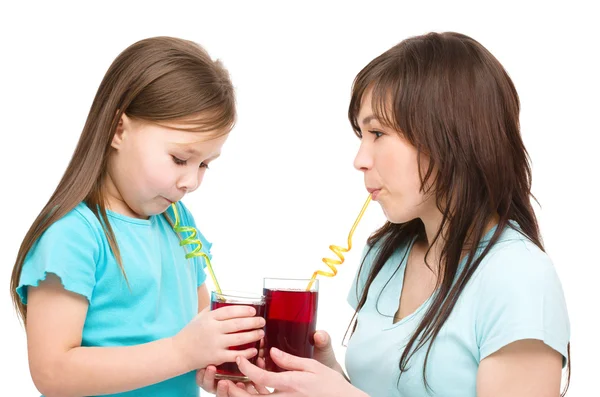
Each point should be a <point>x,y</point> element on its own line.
<point>123,127</point>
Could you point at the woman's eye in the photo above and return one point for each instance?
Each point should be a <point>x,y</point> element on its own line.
<point>204,165</point>
<point>377,134</point>
<point>178,161</point>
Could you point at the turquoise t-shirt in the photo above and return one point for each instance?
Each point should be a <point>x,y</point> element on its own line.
<point>515,294</point>
<point>162,295</point>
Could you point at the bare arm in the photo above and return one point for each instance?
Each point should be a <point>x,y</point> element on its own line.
<point>60,367</point>
<point>526,368</point>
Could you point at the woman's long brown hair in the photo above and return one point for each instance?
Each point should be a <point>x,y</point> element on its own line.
<point>455,103</point>
<point>160,79</point>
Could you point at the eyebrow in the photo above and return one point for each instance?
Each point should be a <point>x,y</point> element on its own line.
<point>368,119</point>
<point>187,149</point>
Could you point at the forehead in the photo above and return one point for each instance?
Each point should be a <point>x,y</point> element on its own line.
<point>176,136</point>
<point>367,114</point>
<point>365,105</point>
<point>198,143</point>
<point>376,109</point>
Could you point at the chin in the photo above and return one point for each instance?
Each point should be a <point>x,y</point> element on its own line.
<point>150,210</point>
<point>399,216</point>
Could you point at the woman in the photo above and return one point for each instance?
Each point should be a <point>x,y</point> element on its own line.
<point>455,295</point>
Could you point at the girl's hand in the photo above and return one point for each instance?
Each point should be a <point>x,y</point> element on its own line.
<point>206,339</point>
<point>305,377</point>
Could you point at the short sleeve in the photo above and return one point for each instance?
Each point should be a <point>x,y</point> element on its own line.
<point>69,248</point>
<point>521,298</point>
<point>187,219</point>
<point>360,279</point>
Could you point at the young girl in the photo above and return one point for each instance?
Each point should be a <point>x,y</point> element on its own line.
<point>455,295</point>
<point>109,300</point>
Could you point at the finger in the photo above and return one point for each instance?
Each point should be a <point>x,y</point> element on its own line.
<point>260,377</point>
<point>234,311</point>
<point>260,389</point>
<point>230,355</point>
<point>249,387</point>
<point>260,362</point>
<point>209,379</point>
<point>235,391</point>
<point>200,376</point>
<point>294,363</point>
<point>242,324</point>
<point>261,350</point>
<point>222,389</point>
<point>242,386</point>
<point>322,340</point>
<point>241,338</point>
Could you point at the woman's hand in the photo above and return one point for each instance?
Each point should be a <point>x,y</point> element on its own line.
<point>324,352</point>
<point>205,378</point>
<point>305,377</point>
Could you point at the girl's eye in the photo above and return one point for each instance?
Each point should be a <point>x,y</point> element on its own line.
<point>377,134</point>
<point>204,165</point>
<point>179,161</point>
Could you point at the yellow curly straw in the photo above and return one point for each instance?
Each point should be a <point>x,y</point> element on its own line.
<point>332,263</point>
<point>191,239</point>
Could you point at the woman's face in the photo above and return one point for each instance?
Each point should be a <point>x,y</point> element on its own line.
<point>391,172</point>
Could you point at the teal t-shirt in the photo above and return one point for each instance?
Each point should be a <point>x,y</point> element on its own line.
<point>515,294</point>
<point>162,295</point>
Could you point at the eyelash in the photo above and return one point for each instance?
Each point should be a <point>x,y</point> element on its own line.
<point>179,161</point>
<point>378,134</point>
<point>374,132</point>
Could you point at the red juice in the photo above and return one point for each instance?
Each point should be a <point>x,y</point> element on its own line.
<point>230,370</point>
<point>291,317</point>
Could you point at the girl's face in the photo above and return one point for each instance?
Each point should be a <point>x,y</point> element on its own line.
<point>152,166</point>
<point>389,164</point>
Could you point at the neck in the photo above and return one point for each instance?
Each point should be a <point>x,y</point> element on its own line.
<point>113,199</point>
<point>432,224</point>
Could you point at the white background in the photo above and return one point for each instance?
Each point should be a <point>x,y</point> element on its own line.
<point>284,188</point>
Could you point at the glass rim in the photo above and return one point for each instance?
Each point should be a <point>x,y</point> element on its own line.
<point>290,279</point>
<point>291,284</point>
<point>237,297</point>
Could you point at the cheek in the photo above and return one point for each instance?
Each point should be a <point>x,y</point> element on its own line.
<point>402,174</point>
<point>155,174</point>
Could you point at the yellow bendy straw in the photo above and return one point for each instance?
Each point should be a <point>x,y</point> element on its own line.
<point>191,239</point>
<point>332,263</point>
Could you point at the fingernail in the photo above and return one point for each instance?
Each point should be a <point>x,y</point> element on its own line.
<point>238,360</point>
<point>276,351</point>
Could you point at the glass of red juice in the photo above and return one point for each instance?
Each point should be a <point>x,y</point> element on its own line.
<point>230,370</point>
<point>291,317</point>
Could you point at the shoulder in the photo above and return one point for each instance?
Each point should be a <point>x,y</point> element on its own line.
<point>519,296</point>
<point>78,224</point>
<point>515,259</point>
